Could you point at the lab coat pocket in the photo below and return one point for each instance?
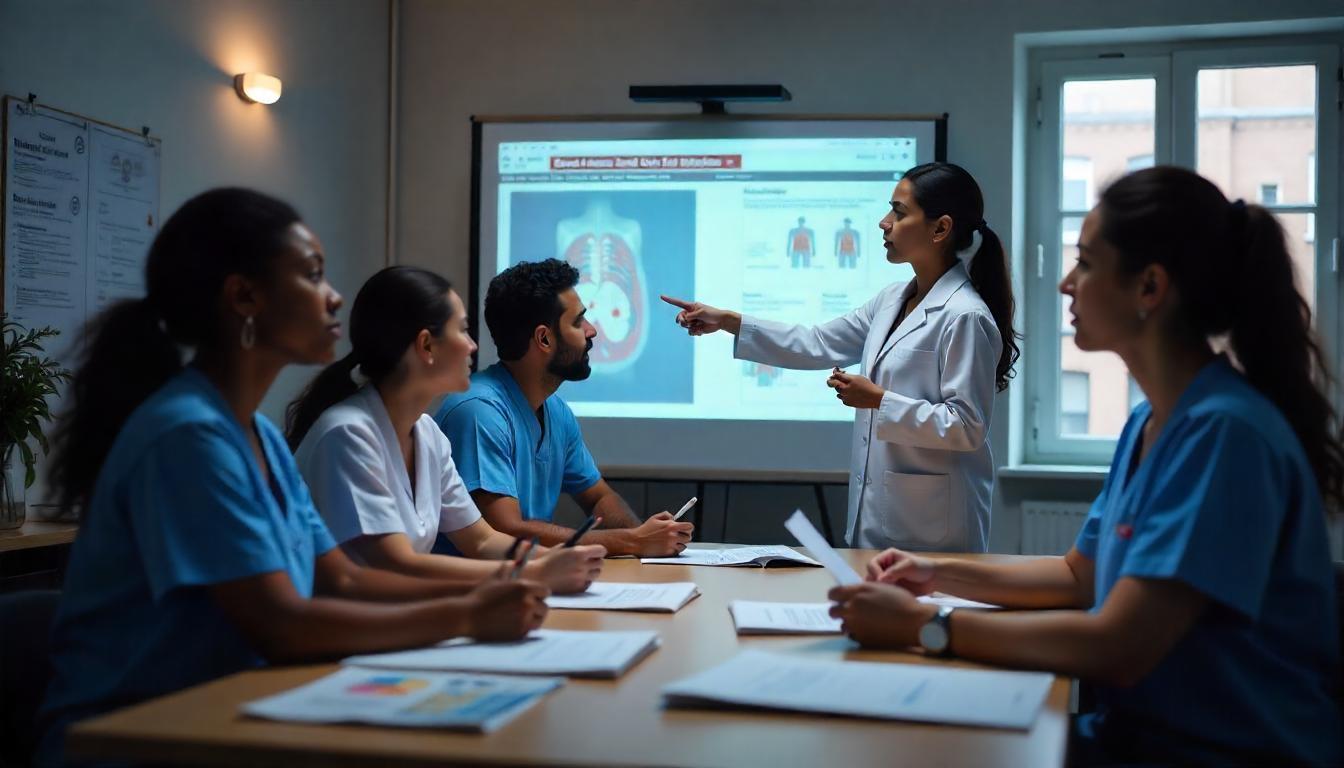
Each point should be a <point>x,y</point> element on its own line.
<point>917,507</point>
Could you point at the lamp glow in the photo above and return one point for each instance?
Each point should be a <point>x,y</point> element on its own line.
<point>257,87</point>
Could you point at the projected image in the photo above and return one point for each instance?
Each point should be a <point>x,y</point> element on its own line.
<point>802,244</point>
<point>847,246</point>
<point>763,375</point>
<point>773,219</point>
<point>627,246</point>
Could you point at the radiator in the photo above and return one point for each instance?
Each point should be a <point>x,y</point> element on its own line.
<point>1050,527</point>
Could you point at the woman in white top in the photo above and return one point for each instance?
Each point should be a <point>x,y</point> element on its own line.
<point>933,352</point>
<point>380,470</point>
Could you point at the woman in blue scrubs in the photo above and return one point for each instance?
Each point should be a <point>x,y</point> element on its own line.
<point>200,553</point>
<point>1199,597</point>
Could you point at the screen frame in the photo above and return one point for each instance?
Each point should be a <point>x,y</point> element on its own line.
<point>478,124</point>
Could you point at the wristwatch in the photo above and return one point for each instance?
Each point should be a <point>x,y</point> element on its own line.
<point>936,634</point>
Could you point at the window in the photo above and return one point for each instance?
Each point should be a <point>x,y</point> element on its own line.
<point>1138,161</point>
<point>1253,120</point>
<point>1074,395</point>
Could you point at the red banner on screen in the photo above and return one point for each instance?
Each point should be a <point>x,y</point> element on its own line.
<point>647,163</point>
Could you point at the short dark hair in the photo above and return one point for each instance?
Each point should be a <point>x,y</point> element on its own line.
<point>522,297</point>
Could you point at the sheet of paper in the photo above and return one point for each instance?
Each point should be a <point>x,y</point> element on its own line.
<point>807,535</point>
<point>939,598</point>
<point>46,211</point>
<point>920,692</point>
<point>479,703</point>
<point>614,596</point>
<point>544,652</point>
<point>752,617</point>
<point>123,214</point>
<point>759,555</point>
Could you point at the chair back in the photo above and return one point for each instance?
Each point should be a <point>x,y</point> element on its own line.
<point>25,668</point>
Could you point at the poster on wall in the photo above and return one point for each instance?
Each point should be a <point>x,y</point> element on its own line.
<point>81,206</point>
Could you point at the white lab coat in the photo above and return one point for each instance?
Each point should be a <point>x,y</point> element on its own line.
<point>352,464</point>
<point>921,473</point>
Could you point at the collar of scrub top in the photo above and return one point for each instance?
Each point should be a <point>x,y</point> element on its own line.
<point>947,285</point>
<point>520,402</point>
<point>396,469</point>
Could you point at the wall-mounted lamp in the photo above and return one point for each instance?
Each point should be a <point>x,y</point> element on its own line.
<point>257,87</point>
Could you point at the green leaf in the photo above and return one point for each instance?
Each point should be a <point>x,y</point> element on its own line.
<point>29,465</point>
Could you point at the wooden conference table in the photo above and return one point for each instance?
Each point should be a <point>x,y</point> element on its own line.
<point>590,722</point>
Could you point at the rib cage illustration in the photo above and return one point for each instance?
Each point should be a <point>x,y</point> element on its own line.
<point>605,248</point>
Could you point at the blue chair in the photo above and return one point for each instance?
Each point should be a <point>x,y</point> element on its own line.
<point>25,668</point>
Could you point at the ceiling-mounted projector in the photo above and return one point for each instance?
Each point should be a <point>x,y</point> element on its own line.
<point>711,98</point>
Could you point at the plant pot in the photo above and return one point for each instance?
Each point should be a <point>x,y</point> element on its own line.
<point>12,491</point>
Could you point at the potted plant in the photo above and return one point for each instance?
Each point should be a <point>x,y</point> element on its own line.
<point>27,379</point>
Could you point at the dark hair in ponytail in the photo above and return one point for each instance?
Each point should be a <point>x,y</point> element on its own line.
<point>389,312</point>
<point>1223,258</point>
<point>944,189</point>
<point>131,349</point>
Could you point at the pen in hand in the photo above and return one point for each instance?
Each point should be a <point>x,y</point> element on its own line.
<point>522,561</point>
<point>586,527</point>
<point>684,507</point>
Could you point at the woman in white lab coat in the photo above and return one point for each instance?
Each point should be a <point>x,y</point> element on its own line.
<point>380,470</point>
<point>932,351</point>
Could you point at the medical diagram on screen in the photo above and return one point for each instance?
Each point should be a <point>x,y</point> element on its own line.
<point>770,227</point>
<point>606,249</point>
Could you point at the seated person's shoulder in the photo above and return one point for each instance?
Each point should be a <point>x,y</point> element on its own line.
<point>484,405</point>
<point>339,424</point>
<point>1234,407</point>
<point>173,418</point>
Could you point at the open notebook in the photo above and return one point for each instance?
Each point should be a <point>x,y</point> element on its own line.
<point>774,554</point>
<point>474,703</point>
<point>544,652</point>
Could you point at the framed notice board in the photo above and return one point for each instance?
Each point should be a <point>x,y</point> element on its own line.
<point>81,207</point>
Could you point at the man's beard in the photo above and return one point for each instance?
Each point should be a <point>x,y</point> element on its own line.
<point>570,363</point>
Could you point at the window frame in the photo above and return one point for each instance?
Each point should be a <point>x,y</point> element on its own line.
<point>1046,444</point>
<point>1174,66</point>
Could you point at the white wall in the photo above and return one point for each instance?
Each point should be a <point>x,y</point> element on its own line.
<point>542,57</point>
<point>169,65</point>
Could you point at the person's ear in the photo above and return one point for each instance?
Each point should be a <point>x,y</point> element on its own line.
<point>942,228</point>
<point>241,296</point>
<point>424,346</point>
<point>542,336</point>
<point>1153,286</point>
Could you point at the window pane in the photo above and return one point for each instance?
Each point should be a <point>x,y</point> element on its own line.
<point>1257,132</point>
<point>1073,402</point>
<point>1299,231</point>
<point>1107,130</point>
<point>1069,229</point>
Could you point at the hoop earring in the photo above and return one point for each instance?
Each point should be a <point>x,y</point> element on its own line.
<point>1143,315</point>
<point>248,339</point>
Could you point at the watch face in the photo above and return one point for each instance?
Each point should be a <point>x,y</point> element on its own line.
<point>933,637</point>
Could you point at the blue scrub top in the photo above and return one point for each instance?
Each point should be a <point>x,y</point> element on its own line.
<point>500,447</point>
<point>1226,503</point>
<point>179,505</point>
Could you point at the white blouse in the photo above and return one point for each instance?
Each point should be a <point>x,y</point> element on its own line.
<point>354,469</point>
